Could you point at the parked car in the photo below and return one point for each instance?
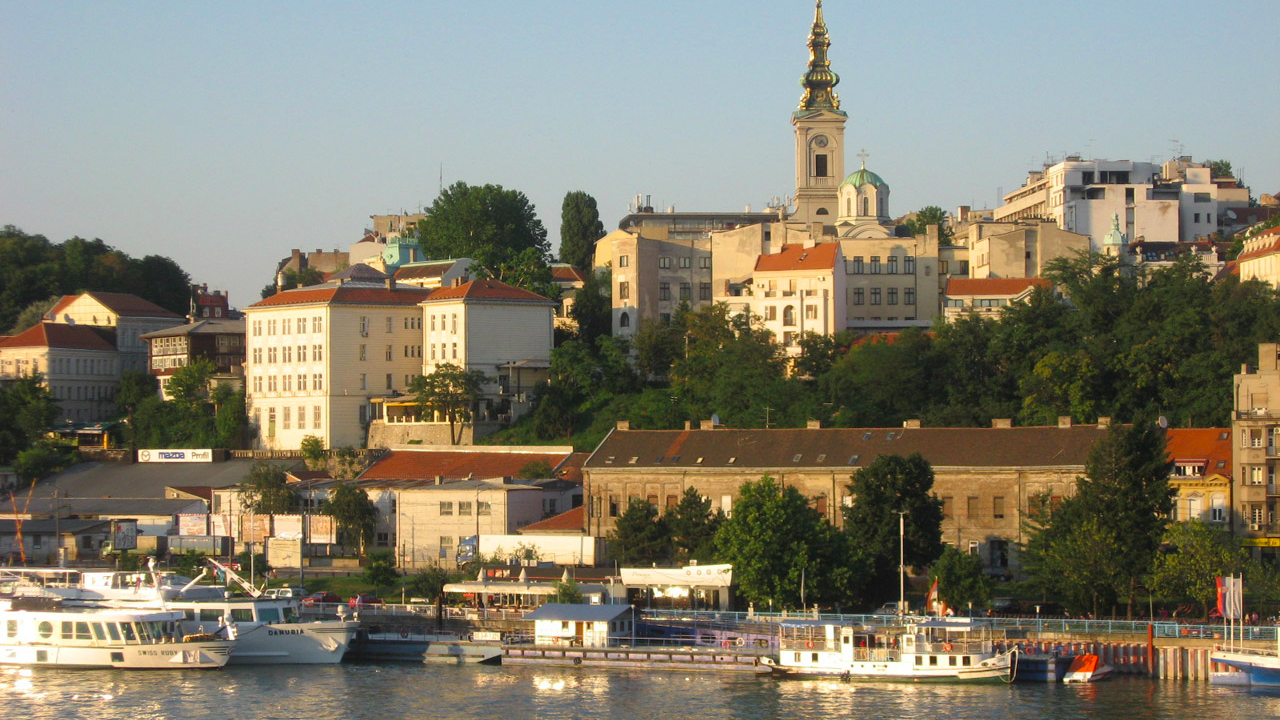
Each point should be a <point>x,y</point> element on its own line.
<point>318,598</point>
<point>288,591</point>
<point>363,599</point>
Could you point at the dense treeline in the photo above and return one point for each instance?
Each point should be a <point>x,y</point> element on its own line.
<point>34,272</point>
<point>1107,341</point>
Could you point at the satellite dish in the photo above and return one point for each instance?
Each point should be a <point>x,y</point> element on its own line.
<point>715,418</point>
<point>1163,422</point>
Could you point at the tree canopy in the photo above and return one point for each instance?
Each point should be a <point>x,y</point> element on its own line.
<point>640,536</point>
<point>451,392</point>
<point>353,512</point>
<point>580,228</point>
<point>266,491</point>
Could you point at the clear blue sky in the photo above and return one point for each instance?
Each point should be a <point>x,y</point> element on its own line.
<point>224,134</point>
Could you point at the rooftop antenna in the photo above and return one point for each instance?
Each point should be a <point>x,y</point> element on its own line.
<point>1176,146</point>
<point>440,189</point>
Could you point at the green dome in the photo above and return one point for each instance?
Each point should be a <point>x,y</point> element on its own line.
<point>862,176</point>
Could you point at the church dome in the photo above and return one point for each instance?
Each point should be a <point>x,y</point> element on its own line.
<point>863,176</point>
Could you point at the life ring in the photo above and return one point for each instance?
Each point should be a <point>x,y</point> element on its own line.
<point>808,643</point>
<point>404,635</point>
<point>740,642</point>
<point>725,644</point>
<point>946,647</point>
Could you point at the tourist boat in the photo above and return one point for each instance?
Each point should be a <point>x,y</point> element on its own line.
<point>267,631</point>
<point>1249,666</point>
<point>929,649</point>
<point>483,647</point>
<point>45,632</point>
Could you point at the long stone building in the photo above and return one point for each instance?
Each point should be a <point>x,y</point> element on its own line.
<point>987,478</point>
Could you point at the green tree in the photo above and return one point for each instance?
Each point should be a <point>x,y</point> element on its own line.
<point>27,410</point>
<point>451,392</point>
<point>592,307</point>
<point>231,417</point>
<point>554,412</point>
<point>640,537</point>
<point>486,223</point>
<point>313,453</point>
<point>580,228</point>
<point>693,527</point>
<point>962,579</point>
<point>429,583</point>
<point>536,470</point>
<point>781,548</point>
<point>347,464</point>
<point>265,490</point>
<point>931,215</point>
<point>1196,553</point>
<point>305,277</point>
<point>41,461</point>
<point>380,571</point>
<point>889,485</point>
<point>353,512</point>
<point>1221,169</point>
<point>189,385</point>
<point>33,314</point>
<point>567,591</point>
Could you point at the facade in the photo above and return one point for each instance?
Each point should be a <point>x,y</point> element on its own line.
<point>433,520</point>
<point>800,290</point>
<point>1177,201</point>
<point>205,304</point>
<point>987,478</point>
<point>819,135</point>
<point>318,356</point>
<point>1019,249</point>
<point>218,340</point>
<point>323,261</point>
<point>892,283</point>
<point>1259,259</point>
<point>431,274</point>
<point>1201,474</point>
<point>79,364</point>
<point>1255,431</point>
<point>986,297</point>
<point>129,316</point>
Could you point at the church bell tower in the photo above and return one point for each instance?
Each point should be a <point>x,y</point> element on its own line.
<point>819,127</point>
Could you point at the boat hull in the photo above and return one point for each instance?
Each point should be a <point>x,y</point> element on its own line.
<point>313,643</point>
<point>998,669</point>
<point>1262,669</point>
<point>204,655</point>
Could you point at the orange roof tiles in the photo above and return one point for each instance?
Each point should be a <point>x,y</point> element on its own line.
<point>798,257</point>
<point>1212,446</point>
<point>992,286</point>
<point>568,521</point>
<point>567,273</point>
<point>346,295</point>
<point>122,304</point>
<point>456,465</point>
<point>59,335</point>
<point>487,289</point>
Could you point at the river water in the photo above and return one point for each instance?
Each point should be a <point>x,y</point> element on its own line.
<point>409,690</point>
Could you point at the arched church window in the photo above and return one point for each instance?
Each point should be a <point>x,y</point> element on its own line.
<point>624,320</point>
<point>822,211</point>
<point>865,206</point>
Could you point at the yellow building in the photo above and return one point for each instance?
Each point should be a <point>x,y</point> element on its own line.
<point>129,316</point>
<point>80,367</point>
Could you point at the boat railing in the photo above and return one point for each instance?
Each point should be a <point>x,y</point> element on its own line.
<point>817,644</point>
<point>963,647</point>
<point>876,654</point>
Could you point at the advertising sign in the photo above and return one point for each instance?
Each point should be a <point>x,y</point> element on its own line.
<point>124,534</point>
<point>154,456</point>
<point>190,524</point>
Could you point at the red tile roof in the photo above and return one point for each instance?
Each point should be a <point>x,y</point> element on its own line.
<point>992,286</point>
<point>567,273</point>
<point>122,304</point>
<point>345,295</point>
<point>1270,242</point>
<point>571,520</point>
<point>59,335</point>
<point>1210,446</point>
<point>433,269</point>
<point>487,289</point>
<point>456,465</point>
<point>799,257</point>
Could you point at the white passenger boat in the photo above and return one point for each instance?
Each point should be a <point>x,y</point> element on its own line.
<point>1249,666</point>
<point>45,632</point>
<point>267,631</point>
<point>951,650</point>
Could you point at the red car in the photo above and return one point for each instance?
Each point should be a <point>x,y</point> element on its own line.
<point>317,598</point>
<point>363,599</point>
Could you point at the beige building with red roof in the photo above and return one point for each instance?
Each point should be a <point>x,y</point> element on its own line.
<point>1201,474</point>
<point>129,316</point>
<point>1259,259</point>
<point>986,296</point>
<point>79,364</point>
<point>798,290</point>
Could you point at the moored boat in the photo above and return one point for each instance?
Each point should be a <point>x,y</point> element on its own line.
<point>948,650</point>
<point>1249,666</point>
<point>44,632</point>
<point>1086,669</point>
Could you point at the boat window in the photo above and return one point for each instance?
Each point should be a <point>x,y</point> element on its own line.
<point>797,657</point>
<point>82,631</point>
<point>98,632</point>
<point>290,614</point>
<point>933,659</point>
<point>967,660</point>
<point>242,614</point>
<point>113,631</point>
<point>130,636</point>
<point>207,615</point>
<point>11,628</point>
<point>269,615</point>
<point>66,630</point>
<point>952,660</point>
<point>190,613</point>
<point>919,659</point>
<point>45,629</point>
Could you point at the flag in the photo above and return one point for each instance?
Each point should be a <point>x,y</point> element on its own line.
<point>1230,597</point>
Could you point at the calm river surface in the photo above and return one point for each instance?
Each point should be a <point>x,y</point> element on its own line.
<point>387,691</point>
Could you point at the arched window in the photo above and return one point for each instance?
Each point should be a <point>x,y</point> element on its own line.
<point>624,320</point>
<point>865,206</point>
<point>1195,507</point>
<point>788,316</point>
<point>848,206</point>
<point>822,211</point>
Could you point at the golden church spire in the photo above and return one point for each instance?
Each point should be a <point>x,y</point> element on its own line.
<point>819,80</point>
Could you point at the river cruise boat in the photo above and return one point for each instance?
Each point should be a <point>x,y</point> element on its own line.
<point>39,632</point>
<point>949,650</point>
<point>1248,666</point>
<point>267,631</point>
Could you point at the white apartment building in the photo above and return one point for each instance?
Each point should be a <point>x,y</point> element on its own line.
<point>129,316</point>
<point>1177,201</point>
<point>81,368</point>
<point>316,356</point>
<point>798,290</point>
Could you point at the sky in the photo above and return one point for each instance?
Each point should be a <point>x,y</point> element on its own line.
<point>225,134</point>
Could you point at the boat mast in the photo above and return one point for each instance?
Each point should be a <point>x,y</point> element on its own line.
<point>902,565</point>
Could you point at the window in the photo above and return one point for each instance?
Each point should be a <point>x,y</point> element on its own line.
<point>704,262</point>
<point>892,269</point>
<point>770,313</point>
<point>364,352</point>
<point>285,417</point>
<point>857,264</point>
<point>875,296</point>
<point>446,507</point>
<point>909,265</point>
<point>859,296</point>
<point>272,355</point>
<point>389,355</point>
<point>364,381</point>
<point>364,326</point>
<point>271,384</point>
<point>686,262</point>
<point>686,291</point>
<point>389,324</point>
<point>810,312</point>
<point>909,296</point>
<point>788,316</point>
<point>453,324</point>
<point>624,320</point>
<point>284,326</point>
<point>971,511</point>
<point>302,418</point>
<point>624,289</point>
<point>464,507</point>
<point>820,165</point>
<point>623,261</point>
<point>455,351</point>
<point>315,417</point>
<point>317,381</point>
<point>875,264</point>
<point>704,291</point>
<point>390,384</point>
<point>664,262</point>
<point>893,296</point>
<point>484,507</point>
<point>664,291</point>
<point>997,507</point>
<point>257,355</point>
<point>317,353</point>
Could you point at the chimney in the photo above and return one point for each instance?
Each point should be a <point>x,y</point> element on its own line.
<point>688,424</point>
<point>1001,422</point>
<point>1064,421</point>
<point>391,284</point>
<point>624,424</point>
<point>707,425</point>
<point>814,425</point>
<point>912,424</point>
<point>1104,422</point>
<point>439,479</point>
<point>279,282</point>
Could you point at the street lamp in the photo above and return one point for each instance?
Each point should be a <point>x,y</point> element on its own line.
<point>1039,624</point>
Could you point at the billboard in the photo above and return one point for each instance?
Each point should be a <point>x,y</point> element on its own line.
<point>154,456</point>
<point>124,534</point>
<point>192,524</point>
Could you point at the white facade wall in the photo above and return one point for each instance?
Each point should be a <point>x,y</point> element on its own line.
<point>558,549</point>
<point>85,310</point>
<point>432,521</point>
<point>84,382</point>
<point>483,335</point>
